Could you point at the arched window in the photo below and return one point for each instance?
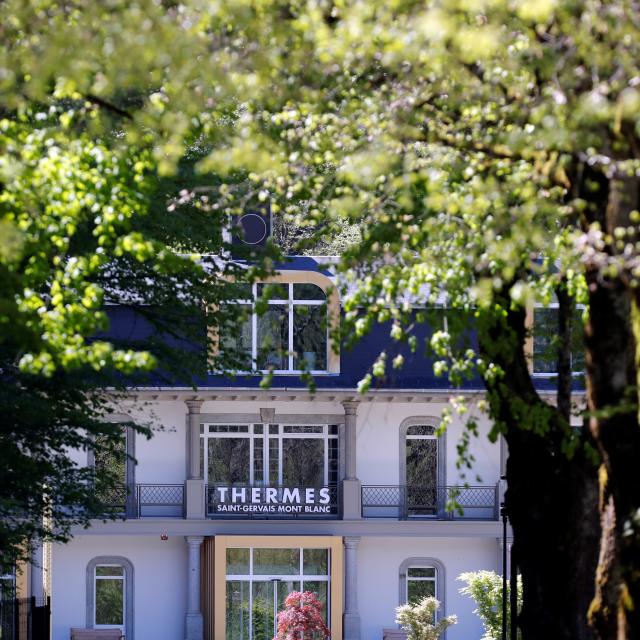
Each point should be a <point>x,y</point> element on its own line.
<point>422,467</point>
<point>422,577</point>
<point>291,334</point>
<point>110,594</point>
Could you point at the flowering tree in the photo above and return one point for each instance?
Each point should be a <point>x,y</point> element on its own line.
<point>301,618</point>
<point>419,620</point>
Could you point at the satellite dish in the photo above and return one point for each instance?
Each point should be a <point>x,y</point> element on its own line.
<point>254,228</point>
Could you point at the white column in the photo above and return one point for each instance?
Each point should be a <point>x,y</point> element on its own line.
<point>351,619</point>
<point>193,621</point>
<point>194,487</point>
<point>351,499</point>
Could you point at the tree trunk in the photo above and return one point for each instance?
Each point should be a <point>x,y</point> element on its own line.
<point>551,498</point>
<point>611,395</point>
<point>612,338</point>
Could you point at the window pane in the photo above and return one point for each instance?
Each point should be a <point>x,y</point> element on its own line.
<point>274,291</point>
<point>235,338</point>
<point>422,462</point>
<point>238,562</point>
<point>258,460</point>
<point>242,292</point>
<point>102,570</point>
<point>273,338</point>
<point>315,562</point>
<point>228,428</point>
<point>109,602</point>
<point>421,430</point>
<point>262,610</point>
<point>238,610</point>
<point>320,588</point>
<point>274,461</point>
<point>112,457</point>
<point>307,428</point>
<point>308,292</point>
<point>310,337</point>
<point>577,343</point>
<point>228,460</point>
<point>422,477</point>
<point>276,562</point>
<point>419,589</point>
<point>303,462</point>
<point>422,572</point>
<point>333,461</point>
<point>545,331</point>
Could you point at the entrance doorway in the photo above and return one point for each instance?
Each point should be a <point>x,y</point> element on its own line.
<point>258,581</point>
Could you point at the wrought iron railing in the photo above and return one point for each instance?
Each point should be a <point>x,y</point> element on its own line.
<point>442,503</point>
<point>143,500</point>
<point>299,502</point>
<point>25,618</point>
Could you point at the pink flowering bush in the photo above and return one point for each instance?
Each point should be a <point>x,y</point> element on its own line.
<point>301,618</point>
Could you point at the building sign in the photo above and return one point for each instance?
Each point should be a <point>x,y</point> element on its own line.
<point>273,500</point>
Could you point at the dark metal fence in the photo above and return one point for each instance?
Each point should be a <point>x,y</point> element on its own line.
<point>144,500</point>
<point>222,502</point>
<point>441,503</point>
<point>25,619</point>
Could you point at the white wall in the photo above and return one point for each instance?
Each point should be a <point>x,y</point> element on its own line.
<point>162,459</point>
<point>160,575</point>
<point>378,444</point>
<point>379,560</point>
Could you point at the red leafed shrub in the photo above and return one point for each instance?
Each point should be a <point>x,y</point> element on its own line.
<point>301,618</point>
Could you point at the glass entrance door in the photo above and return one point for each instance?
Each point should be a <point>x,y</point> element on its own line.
<point>259,580</point>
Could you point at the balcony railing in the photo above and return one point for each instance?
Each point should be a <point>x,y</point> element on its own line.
<point>440,503</point>
<point>144,500</point>
<point>244,501</point>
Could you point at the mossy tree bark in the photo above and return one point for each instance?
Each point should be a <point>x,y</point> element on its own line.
<point>552,492</point>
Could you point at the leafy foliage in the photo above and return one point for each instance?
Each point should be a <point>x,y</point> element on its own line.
<point>419,620</point>
<point>485,587</point>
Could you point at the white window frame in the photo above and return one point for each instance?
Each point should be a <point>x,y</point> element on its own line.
<point>128,629</point>
<point>300,578</point>
<point>434,580</point>
<point>548,374</point>
<point>205,435</point>
<point>290,302</point>
<point>123,579</point>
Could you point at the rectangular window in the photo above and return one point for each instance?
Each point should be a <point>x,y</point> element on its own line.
<point>545,341</point>
<point>109,596</point>
<point>110,461</point>
<point>421,583</point>
<point>288,335</point>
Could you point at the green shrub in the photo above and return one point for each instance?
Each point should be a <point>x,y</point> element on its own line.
<point>485,587</point>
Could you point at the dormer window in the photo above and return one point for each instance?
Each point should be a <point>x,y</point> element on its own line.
<point>289,334</point>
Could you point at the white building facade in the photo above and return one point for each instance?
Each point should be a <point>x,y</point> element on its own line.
<point>244,494</point>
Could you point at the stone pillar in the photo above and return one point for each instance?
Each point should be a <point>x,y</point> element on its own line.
<point>351,619</point>
<point>351,498</point>
<point>194,487</point>
<point>193,619</point>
